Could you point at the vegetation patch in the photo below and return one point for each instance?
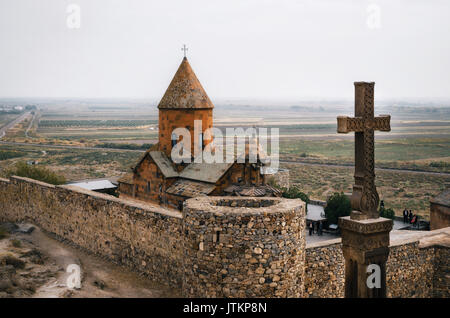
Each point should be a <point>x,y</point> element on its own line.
<point>43,174</point>
<point>338,205</point>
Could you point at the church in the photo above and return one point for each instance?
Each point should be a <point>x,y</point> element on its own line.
<point>159,179</point>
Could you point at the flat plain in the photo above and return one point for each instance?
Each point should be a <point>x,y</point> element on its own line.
<point>75,138</point>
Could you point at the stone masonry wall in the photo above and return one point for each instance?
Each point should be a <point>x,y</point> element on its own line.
<point>441,277</point>
<point>412,270</point>
<point>141,237</point>
<point>409,271</point>
<point>226,247</point>
<point>244,247</point>
<point>324,273</point>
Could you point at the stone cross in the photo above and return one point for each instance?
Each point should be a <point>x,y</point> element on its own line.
<point>365,236</point>
<point>364,198</point>
<point>185,49</point>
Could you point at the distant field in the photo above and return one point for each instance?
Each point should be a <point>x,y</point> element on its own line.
<point>419,140</point>
<point>74,164</point>
<point>398,190</point>
<point>428,154</point>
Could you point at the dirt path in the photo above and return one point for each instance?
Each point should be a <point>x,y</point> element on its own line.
<point>99,278</point>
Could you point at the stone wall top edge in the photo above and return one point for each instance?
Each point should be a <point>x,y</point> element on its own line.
<point>143,206</point>
<point>424,238</point>
<point>204,205</point>
<point>4,180</point>
<point>32,181</point>
<point>336,241</point>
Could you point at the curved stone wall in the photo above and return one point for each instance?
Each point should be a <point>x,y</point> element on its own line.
<point>243,247</point>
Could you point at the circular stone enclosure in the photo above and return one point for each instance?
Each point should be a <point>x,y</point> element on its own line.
<point>243,247</point>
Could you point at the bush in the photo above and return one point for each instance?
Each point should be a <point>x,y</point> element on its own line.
<point>387,213</point>
<point>3,233</point>
<point>338,205</point>
<point>5,154</point>
<point>37,173</point>
<point>272,182</point>
<point>295,193</point>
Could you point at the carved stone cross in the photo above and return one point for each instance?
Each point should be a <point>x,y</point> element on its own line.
<point>364,198</point>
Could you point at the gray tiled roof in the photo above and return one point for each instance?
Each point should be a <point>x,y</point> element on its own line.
<point>164,164</point>
<point>206,172</point>
<point>442,199</point>
<point>189,188</point>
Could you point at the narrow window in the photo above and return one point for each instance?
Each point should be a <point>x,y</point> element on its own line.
<point>218,237</point>
<point>148,186</point>
<point>201,141</point>
<point>174,139</point>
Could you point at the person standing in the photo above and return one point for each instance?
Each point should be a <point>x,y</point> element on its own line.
<point>405,216</point>
<point>320,228</point>
<point>311,228</point>
<point>410,216</point>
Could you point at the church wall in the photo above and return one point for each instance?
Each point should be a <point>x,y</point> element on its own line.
<point>236,174</point>
<point>169,119</point>
<point>148,181</point>
<point>125,189</point>
<point>145,238</point>
<point>439,216</point>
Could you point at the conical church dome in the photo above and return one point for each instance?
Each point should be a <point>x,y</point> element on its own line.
<point>185,91</point>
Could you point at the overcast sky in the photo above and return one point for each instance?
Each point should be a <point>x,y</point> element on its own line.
<point>263,49</point>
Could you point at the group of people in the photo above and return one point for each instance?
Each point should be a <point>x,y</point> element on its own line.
<point>410,218</point>
<point>316,227</point>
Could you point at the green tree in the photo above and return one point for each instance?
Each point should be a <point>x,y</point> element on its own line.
<point>37,173</point>
<point>338,205</point>
<point>387,213</point>
<point>295,193</point>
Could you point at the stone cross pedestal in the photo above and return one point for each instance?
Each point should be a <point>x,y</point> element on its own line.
<point>365,236</point>
<point>365,242</point>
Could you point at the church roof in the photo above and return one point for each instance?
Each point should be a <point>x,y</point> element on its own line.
<point>164,164</point>
<point>442,199</point>
<point>253,191</point>
<point>206,172</point>
<point>189,188</point>
<point>185,91</point>
<point>126,178</point>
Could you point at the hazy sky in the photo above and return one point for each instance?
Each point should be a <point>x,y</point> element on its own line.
<point>280,49</point>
